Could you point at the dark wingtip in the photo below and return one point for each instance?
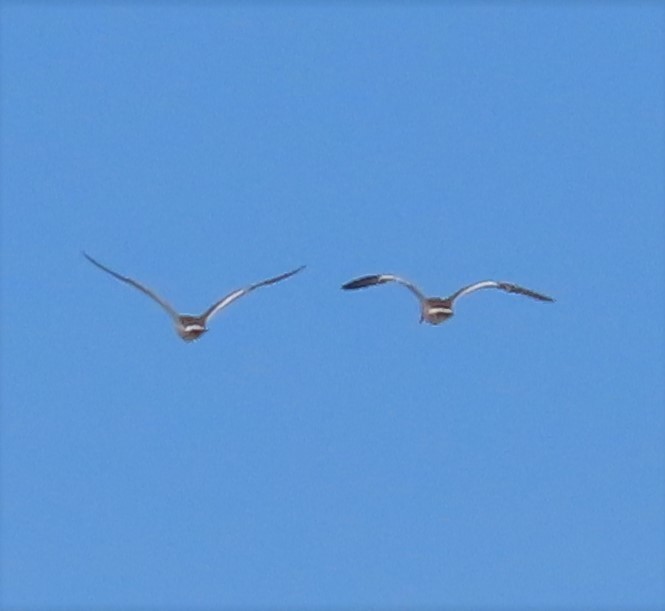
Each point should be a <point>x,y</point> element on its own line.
<point>540,296</point>
<point>514,288</point>
<point>360,283</point>
<point>295,271</point>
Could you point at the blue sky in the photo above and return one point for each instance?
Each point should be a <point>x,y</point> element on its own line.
<point>318,447</point>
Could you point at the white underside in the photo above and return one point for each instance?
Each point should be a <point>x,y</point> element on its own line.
<point>193,327</point>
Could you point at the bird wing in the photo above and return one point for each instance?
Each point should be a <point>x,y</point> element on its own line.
<point>237,294</point>
<point>167,306</point>
<point>365,281</point>
<point>504,286</point>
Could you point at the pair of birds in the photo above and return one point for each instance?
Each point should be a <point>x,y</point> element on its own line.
<point>433,310</point>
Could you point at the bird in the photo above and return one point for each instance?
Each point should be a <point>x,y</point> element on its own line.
<point>187,326</point>
<point>435,310</point>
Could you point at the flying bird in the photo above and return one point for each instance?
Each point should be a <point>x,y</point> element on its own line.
<point>435,310</point>
<point>190,327</point>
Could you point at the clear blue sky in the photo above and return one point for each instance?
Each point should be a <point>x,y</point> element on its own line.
<point>319,447</point>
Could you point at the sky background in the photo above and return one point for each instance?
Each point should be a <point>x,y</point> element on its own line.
<point>320,448</point>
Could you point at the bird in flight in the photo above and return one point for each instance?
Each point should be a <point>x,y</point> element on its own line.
<point>435,310</point>
<point>190,327</point>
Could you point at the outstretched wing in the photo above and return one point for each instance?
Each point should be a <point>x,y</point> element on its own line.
<point>365,281</point>
<point>504,286</point>
<point>231,297</point>
<point>171,312</point>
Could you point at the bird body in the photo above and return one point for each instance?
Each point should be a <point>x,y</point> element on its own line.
<point>435,310</point>
<point>190,327</point>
